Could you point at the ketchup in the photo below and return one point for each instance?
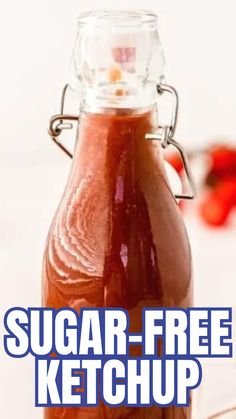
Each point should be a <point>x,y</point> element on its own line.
<point>118,239</point>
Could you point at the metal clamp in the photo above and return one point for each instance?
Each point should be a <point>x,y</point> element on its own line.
<point>57,124</point>
<point>165,136</point>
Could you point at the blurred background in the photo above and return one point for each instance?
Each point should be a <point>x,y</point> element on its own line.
<point>36,40</point>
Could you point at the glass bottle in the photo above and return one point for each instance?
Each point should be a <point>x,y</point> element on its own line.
<point>118,238</point>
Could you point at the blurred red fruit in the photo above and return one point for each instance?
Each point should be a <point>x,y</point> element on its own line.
<point>213,211</point>
<point>223,161</point>
<point>175,161</point>
<point>226,191</point>
<point>181,204</point>
<point>218,203</point>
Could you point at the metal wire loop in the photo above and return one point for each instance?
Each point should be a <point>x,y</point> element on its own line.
<point>164,134</point>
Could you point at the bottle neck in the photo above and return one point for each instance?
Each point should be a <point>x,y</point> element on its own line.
<point>112,154</point>
<point>113,136</point>
<point>107,98</point>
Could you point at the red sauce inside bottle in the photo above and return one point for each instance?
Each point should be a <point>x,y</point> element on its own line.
<point>118,239</point>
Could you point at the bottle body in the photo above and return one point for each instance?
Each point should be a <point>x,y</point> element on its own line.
<point>118,239</point>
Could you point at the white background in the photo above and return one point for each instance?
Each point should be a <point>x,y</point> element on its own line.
<point>36,41</point>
